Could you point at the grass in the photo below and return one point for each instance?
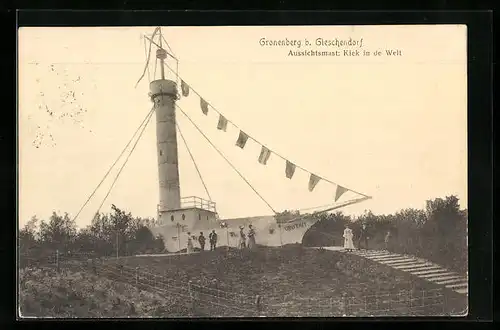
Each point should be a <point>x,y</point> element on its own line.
<point>69,294</point>
<point>292,281</point>
<point>295,276</point>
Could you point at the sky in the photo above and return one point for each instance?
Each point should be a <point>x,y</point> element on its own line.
<point>391,127</point>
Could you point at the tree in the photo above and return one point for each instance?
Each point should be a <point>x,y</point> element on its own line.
<point>407,224</point>
<point>59,233</point>
<point>28,236</point>
<point>448,225</point>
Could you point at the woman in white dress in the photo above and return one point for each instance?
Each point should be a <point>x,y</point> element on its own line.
<point>348,244</point>
<point>189,249</point>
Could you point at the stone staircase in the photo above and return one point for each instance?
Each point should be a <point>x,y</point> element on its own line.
<point>419,267</point>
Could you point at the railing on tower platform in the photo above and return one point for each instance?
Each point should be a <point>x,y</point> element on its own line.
<point>198,202</point>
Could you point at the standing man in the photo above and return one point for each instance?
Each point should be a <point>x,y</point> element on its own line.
<point>387,240</point>
<point>363,237</point>
<point>212,237</point>
<point>201,240</point>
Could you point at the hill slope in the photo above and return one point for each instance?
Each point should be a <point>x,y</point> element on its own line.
<point>45,293</point>
<point>290,281</point>
<point>297,279</point>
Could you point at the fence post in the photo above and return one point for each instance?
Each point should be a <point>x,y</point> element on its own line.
<point>389,303</point>
<point>216,286</point>
<point>57,261</point>
<point>345,301</point>
<point>191,296</point>
<point>444,301</point>
<point>258,305</point>
<point>136,275</point>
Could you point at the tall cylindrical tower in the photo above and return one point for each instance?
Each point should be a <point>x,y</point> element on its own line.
<point>164,94</point>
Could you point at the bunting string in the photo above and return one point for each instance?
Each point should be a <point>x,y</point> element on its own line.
<point>225,158</point>
<point>243,137</point>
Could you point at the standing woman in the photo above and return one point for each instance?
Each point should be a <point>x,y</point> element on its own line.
<point>348,244</point>
<point>251,237</point>
<point>242,238</point>
<point>189,243</point>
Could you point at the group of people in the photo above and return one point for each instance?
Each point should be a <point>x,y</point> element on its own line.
<point>243,242</point>
<point>212,238</point>
<point>363,238</point>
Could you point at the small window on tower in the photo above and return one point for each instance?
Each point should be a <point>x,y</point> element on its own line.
<point>171,218</point>
<point>161,152</point>
<point>207,217</point>
<point>183,217</point>
<point>199,216</point>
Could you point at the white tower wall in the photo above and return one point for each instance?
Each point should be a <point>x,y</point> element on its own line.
<point>164,95</point>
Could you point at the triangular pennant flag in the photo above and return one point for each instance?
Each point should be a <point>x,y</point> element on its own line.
<point>339,192</point>
<point>290,169</point>
<point>313,181</point>
<point>184,88</point>
<point>204,106</point>
<point>222,125</point>
<point>264,155</point>
<point>242,140</point>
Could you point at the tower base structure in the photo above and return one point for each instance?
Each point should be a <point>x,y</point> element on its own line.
<point>195,216</point>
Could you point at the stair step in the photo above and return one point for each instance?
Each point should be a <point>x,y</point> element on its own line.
<point>429,272</point>
<point>454,286</point>
<point>457,280</point>
<point>374,253</point>
<point>438,277</point>
<point>415,265</point>
<point>435,274</point>
<point>402,263</point>
<point>420,268</point>
<point>392,259</point>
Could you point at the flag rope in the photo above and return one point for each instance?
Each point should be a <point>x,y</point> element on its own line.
<point>225,158</point>
<point>256,141</point>
<point>126,160</point>
<point>116,161</point>
<point>194,162</point>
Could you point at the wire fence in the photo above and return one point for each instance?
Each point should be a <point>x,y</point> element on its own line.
<point>208,300</point>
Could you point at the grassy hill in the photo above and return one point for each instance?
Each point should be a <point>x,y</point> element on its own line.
<point>302,279</point>
<point>46,293</point>
<point>291,281</point>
